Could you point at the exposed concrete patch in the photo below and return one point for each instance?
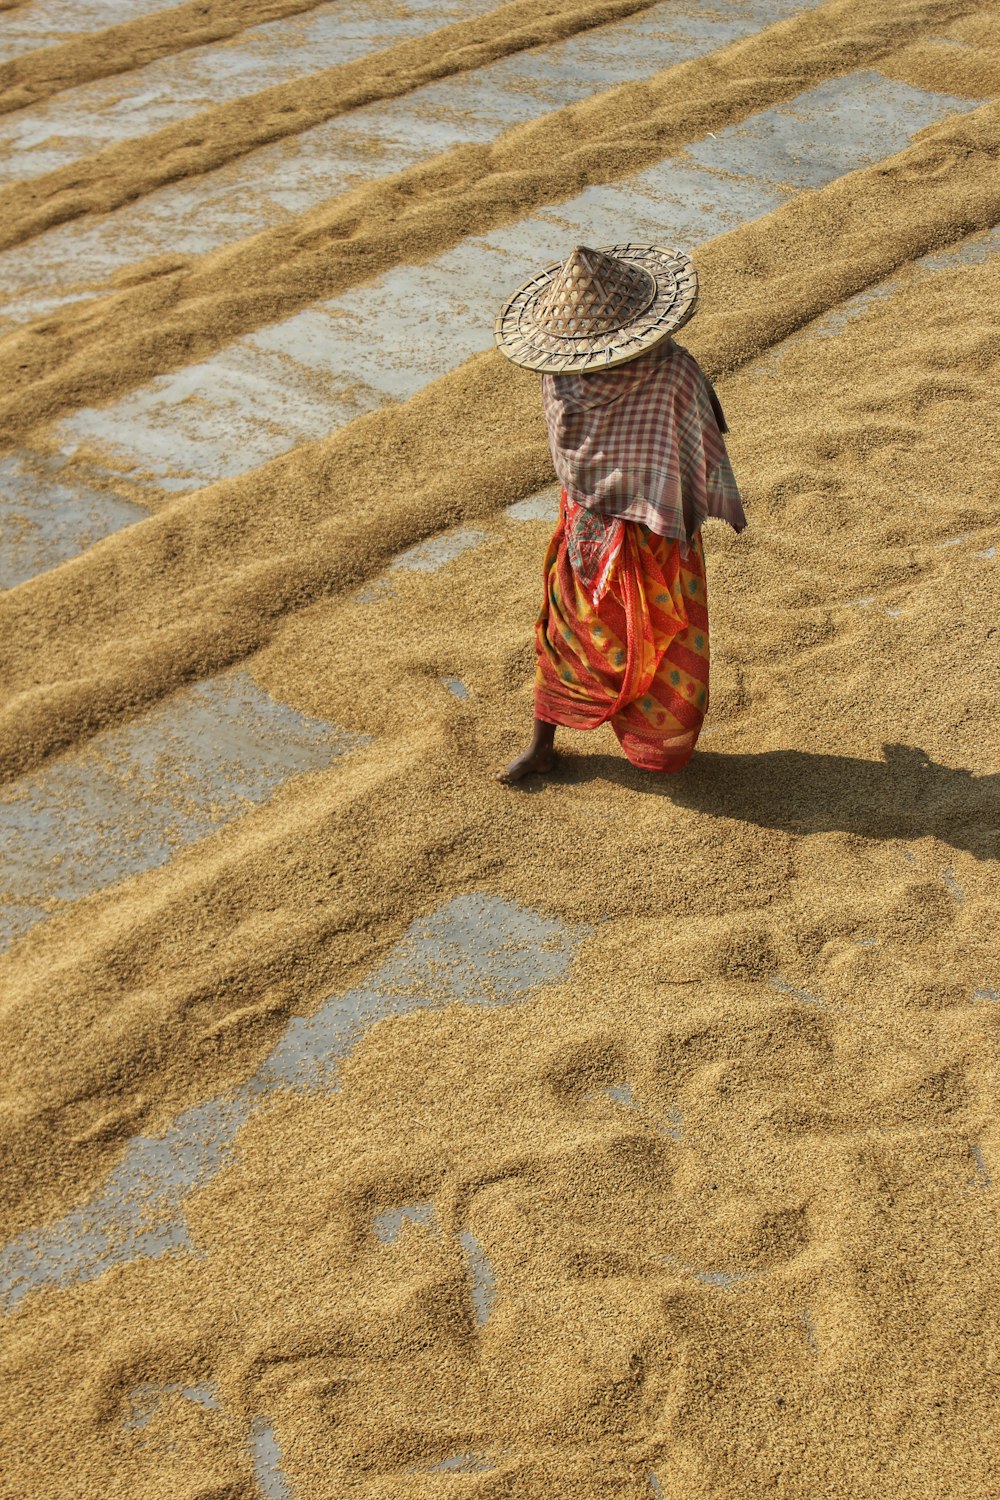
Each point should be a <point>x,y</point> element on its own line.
<point>45,521</point>
<point>375,592</point>
<point>777,982</point>
<point>297,379</point>
<point>389,1223</point>
<point>983,1179</point>
<point>976,250</point>
<point>494,952</point>
<point>724,1279</point>
<point>47,22</point>
<point>481,1275</point>
<point>477,950</point>
<point>81,121</point>
<point>840,125</point>
<point>672,1126</point>
<point>429,556</point>
<point>265,1450</point>
<point>426,557</point>
<point>138,792</point>
<point>462,1463</point>
<point>146,1398</point>
<point>727,1280</point>
<point>541,507</point>
<point>267,1461</point>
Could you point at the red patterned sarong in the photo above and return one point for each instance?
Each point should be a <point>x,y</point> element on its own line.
<point>638,657</point>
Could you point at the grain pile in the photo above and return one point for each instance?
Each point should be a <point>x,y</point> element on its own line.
<point>773,1267</point>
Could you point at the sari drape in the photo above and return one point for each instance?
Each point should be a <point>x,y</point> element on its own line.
<point>638,657</point>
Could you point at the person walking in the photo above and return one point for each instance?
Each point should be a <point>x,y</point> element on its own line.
<point>636,433</point>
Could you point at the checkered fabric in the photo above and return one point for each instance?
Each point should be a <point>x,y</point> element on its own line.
<point>643,442</point>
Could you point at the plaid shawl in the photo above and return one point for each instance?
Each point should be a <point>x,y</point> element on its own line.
<point>643,442</point>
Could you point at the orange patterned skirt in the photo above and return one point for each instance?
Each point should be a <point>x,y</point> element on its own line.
<point>638,657</point>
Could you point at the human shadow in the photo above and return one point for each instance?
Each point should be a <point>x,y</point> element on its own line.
<point>905,796</point>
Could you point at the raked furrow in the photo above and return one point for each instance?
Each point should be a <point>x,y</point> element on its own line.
<point>58,60</point>
<point>201,211</point>
<point>300,379</point>
<point>81,121</point>
<point>45,23</point>
<point>184,768</point>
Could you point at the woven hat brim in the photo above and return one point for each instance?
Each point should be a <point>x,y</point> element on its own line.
<point>524,343</point>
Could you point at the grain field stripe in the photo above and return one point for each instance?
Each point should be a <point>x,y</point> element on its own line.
<point>95,352</point>
<point>210,576</point>
<point>264,393</point>
<point>209,139</point>
<point>282,181</point>
<point>84,120</point>
<point>46,70</point>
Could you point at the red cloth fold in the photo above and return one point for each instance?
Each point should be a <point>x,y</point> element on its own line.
<point>639,658</point>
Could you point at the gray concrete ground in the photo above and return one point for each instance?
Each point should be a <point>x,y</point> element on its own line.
<point>299,379</point>
<point>176,773</point>
<point>78,122</point>
<point>477,950</point>
<point>45,23</point>
<point>138,793</point>
<point>276,182</point>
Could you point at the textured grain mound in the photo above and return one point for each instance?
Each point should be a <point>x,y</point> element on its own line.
<point>46,71</point>
<point>735,1174</point>
<point>176,309</point>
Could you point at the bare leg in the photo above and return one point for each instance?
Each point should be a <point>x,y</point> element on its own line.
<point>538,759</point>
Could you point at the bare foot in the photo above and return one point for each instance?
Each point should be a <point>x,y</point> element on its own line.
<point>531,762</point>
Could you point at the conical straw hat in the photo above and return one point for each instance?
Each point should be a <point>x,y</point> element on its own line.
<point>597,309</point>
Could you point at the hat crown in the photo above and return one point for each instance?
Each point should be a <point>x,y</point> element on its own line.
<point>594,293</point>
<point>598,309</point>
